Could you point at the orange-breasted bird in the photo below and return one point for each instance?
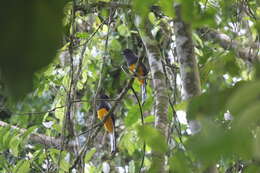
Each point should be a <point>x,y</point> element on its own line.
<point>141,71</point>
<point>103,109</point>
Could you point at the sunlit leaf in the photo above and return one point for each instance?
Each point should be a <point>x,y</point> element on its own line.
<point>89,155</point>
<point>82,35</point>
<point>14,144</point>
<point>149,119</point>
<point>123,30</point>
<point>152,18</point>
<point>22,166</point>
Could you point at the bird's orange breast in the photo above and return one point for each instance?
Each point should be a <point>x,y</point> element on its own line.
<point>109,122</point>
<point>140,72</point>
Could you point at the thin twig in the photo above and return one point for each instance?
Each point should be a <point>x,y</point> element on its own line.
<point>44,112</point>
<point>142,120</point>
<point>66,120</point>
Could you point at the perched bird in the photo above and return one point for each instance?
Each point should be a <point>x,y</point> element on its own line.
<point>141,71</point>
<point>102,111</point>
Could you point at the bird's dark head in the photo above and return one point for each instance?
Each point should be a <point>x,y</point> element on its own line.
<point>127,52</point>
<point>103,96</point>
<point>130,57</point>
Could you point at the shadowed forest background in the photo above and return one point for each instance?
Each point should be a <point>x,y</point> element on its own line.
<point>202,110</point>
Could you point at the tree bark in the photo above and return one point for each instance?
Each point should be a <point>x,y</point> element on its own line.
<point>185,52</point>
<point>159,88</point>
<point>188,67</point>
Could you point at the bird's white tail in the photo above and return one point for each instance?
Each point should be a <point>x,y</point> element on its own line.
<point>143,88</point>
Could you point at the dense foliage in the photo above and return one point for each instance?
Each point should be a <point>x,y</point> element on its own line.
<point>53,126</point>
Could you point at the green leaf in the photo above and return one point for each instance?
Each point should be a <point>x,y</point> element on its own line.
<point>152,18</point>
<point>27,133</point>
<point>132,167</point>
<point>64,165</point>
<point>152,137</point>
<point>3,131</point>
<point>243,97</point>
<point>205,18</point>
<point>149,119</point>
<point>130,147</point>
<point>214,142</point>
<point>248,117</point>
<point>89,155</point>
<point>82,35</point>
<point>167,7</point>
<point>142,7</point>
<point>22,166</point>
<point>208,104</point>
<point>36,36</point>
<point>197,39</point>
<point>132,116</point>
<point>14,144</point>
<point>115,45</point>
<point>181,106</point>
<point>257,26</point>
<point>230,64</point>
<point>104,0</point>
<point>6,138</point>
<point>179,163</point>
<point>187,10</point>
<point>123,30</point>
<point>257,144</point>
<point>3,160</point>
<point>252,168</point>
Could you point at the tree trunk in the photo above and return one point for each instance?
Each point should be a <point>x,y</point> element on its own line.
<point>186,57</point>
<point>188,67</point>
<point>160,90</point>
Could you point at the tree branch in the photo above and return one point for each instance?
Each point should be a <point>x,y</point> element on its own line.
<point>89,7</point>
<point>249,53</point>
<point>47,141</point>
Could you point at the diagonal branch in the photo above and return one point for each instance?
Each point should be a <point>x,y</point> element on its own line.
<point>248,53</point>
<point>47,141</point>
